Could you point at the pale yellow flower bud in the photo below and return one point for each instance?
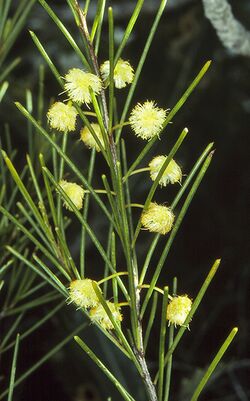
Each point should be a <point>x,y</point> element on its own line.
<point>78,83</point>
<point>75,192</point>
<point>158,218</point>
<point>172,173</point>
<point>62,117</point>
<point>99,315</point>
<point>123,73</point>
<point>88,138</point>
<point>178,309</point>
<point>81,292</point>
<point>147,120</point>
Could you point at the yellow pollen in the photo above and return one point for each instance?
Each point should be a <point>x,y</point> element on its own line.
<point>147,120</point>
<point>62,117</point>
<point>178,309</point>
<point>172,173</point>
<point>81,292</point>
<point>78,83</point>
<point>157,218</point>
<point>75,192</point>
<point>89,139</point>
<point>123,73</point>
<point>99,315</point>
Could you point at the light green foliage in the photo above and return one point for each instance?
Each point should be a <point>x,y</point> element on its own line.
<point>45,224</point>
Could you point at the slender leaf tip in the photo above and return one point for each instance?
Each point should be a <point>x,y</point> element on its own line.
<point>4,154</point>
<point>216,263</point>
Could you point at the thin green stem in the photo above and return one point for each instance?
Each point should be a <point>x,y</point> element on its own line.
<point>162,343</point>
<point>170,343</point>
<point>150,321</point>
<point>13,369</point>
<point>99,26</point>
<point>129,29</point>
<point>125,395</point>
<point>11,330</point>
<point>214,363</point>
<point>132,272</point>
<point>60,177</point>
<point>111,67</point>
<point>85,215</point>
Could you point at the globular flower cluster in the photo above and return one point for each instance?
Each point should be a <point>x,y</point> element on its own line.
<point>75,192</point>
<point>147,120</point>
<point>123,73</point>
<point>83,295</point>
<point>171,174</point>
<point>157,218</point>
<point>89,139</point>
<point>78,84</point>
<point>62,117</point>
<point>178,310</point>
<point>99,315</point>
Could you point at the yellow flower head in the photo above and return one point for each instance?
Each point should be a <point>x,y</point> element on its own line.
<point>147,119</point>
<point>158,218</point>
<point>75,192</point>
<point>99,315</point>
<point>178,309</point>
<point>62,117</point>
<point>78,83</point>
<point>88,138</point>
<point>81,292</point>
<point>123,73</point>
<point>171,174</point>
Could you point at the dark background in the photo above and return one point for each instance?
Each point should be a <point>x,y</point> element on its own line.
<point>216,226</point>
